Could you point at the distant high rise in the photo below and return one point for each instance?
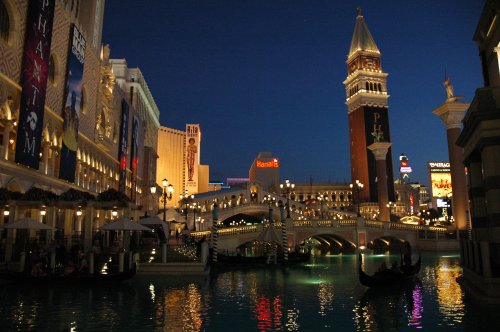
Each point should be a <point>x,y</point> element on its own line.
<point>366,90</point>
<point>265,170</point>
<point>404,169</point>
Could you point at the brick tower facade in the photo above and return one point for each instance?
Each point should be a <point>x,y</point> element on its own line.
<point>366,92</point>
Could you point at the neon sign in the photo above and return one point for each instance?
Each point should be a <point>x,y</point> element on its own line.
<point>268,164</point>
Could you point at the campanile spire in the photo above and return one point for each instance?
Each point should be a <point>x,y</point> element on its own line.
<point>367,107</point>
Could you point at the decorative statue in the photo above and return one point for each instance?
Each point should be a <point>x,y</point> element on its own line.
<point>449,88</point>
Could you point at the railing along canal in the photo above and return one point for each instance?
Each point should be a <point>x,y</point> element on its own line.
<point>424,232</point>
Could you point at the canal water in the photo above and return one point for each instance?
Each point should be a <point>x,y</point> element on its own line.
<point>323,295</point>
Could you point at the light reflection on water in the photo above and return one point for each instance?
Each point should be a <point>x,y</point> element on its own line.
<point>324,295</point>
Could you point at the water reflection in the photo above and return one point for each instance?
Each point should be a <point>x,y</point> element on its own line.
<point>389,308</point>
<point>325,295</point>
<point>449,292</point>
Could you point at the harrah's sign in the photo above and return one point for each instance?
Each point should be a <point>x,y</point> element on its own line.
<point>268,164</point>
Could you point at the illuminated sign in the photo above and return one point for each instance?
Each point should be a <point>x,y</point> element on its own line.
<point>440,184</point>
<point>35,65</point>
<point>268,164</point>
<point>405,169</point>
<point>192,157</point>
<point>439,167</point>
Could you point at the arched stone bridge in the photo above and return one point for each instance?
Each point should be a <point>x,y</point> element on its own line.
<point>359,233</point>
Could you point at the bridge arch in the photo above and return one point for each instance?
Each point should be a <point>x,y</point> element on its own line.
<point>386,243</point>
<point>328,243</point>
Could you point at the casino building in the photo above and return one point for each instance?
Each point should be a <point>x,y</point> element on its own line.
<point>70,117</point>
<point>179,162</point>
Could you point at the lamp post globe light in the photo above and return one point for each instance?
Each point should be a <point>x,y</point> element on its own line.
<point>357,187</point>
<point>390,205</point>
<point>185,199</point>
<point>152,190</point>
<point>321,199</point>
<point>196,208</point>
<point>166,196</point>
<point>287,189</point>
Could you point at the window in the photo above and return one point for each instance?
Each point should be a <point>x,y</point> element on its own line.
<point>4,22</point>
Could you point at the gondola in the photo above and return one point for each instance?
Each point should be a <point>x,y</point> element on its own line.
<point>72,279</point>
<point>389,277</point>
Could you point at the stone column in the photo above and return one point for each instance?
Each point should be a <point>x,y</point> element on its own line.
<point>6,138</point>
<point>45,154</point>
<point>451,113</point>
<point>379,150</point>
<point>55,151</point>
<point>88,226</point>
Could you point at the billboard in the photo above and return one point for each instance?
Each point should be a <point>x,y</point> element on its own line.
<point>192,155</point>
<point>34,76</point>
<point>134,151</point>
<point>72,104</point>
<point>122,150</point>
<point>440,179</point>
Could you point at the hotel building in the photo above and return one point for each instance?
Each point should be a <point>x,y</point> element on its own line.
<point>179,162</point>
<point>70,118</point>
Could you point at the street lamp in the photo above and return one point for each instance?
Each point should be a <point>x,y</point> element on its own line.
<point>357,186</point>
<point>270,201</point>
<point>185,200</point>
<point>166,195</point>
<point>321,199</point>
<point>152,190</point>
<point>287,189</point>
<point>390,205</point>
<point>195,207</point>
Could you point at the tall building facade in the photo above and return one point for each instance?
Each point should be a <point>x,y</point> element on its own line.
<point>74,127</point>
<point>367,105</point>
<point>480,139</point>
<point>170,165</point>
<point>67,127</point>
<point>179,161</point>
<point>265,171</point>
<point>136,90</point>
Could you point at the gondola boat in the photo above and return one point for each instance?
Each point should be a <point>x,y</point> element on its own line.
<point>72,279</point>
<point>389,277</point>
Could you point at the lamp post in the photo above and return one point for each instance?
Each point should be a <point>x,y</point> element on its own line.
<point>357,187</point>
<point>195,207</point>
<point>185,200</point>
<point>321,199</point>
<point>287,189</point>
<point>152,190</point>
<point>390,205</point>
<point>270,201</point>
<point>166,196</point>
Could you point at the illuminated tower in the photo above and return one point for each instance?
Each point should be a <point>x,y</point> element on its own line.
<point>366,90</point>
<point>404,169</point>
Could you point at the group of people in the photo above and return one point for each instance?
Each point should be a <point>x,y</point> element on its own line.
<point>68,262</point>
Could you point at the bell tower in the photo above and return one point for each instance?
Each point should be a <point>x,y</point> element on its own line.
<point>367,108</point>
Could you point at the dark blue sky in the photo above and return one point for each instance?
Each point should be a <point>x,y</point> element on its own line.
<point>266,75</point>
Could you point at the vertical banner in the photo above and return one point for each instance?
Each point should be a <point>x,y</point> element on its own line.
<point>122,152</point>
<point>34,76</point>
<point>133,155</point>
<point>193,137</point>
<point>72,104</point>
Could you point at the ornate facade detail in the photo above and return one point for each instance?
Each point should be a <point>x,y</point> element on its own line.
<point>106,87</point>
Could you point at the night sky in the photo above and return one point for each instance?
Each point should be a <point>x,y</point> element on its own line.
<point>266,75</point>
